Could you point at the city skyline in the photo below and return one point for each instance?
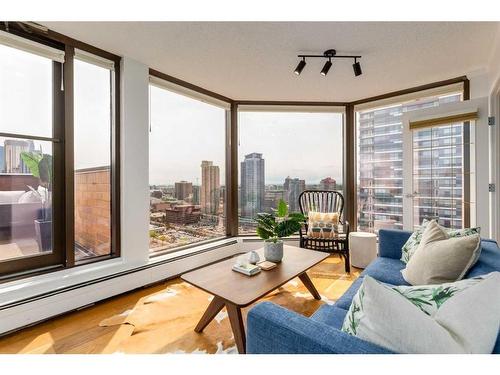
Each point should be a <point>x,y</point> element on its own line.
<point>185,131</point>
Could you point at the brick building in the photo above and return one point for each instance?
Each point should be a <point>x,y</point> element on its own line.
<point>93,210</point>
<point>183,214</point>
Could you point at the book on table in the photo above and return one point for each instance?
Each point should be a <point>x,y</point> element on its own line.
<point>247,269</point>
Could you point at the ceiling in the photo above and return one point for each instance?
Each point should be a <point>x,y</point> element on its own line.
<point>255,60</point>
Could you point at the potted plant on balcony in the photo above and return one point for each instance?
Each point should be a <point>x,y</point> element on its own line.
<point>273,227</point>
<point>40,166</point>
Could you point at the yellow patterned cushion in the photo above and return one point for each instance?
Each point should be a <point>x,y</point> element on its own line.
<point>322,224</point>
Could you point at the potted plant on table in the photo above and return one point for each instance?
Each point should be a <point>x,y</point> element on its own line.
<point>40,166</point>
<point>273,227</point>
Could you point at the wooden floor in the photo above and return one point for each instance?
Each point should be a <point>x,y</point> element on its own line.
<point>161,318</point>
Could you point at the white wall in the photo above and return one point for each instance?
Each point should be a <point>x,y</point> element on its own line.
<point>135,160</point>
<point>494,134</point>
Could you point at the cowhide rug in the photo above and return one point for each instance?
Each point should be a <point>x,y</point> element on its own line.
<point>163,322</point>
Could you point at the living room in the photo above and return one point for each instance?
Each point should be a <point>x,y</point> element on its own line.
<point>259,186</point>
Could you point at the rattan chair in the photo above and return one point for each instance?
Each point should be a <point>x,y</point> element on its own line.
<point>327,201</point>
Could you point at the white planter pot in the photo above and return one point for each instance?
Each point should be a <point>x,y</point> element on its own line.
<point>273,252</point>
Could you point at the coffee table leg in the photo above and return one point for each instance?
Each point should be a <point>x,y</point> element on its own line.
<point>212,310</point>
<point>236,320</point>
<point>309,285</point>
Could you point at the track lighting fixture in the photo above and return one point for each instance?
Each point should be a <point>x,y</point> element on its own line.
<point>326,67</point>
<point>300,67</point>
<point>329,54</point>
<point>357,68</point>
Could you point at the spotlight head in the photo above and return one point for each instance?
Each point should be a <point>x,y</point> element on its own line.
<point>357,68</point>
<point>300,67</point>
<point>326,68</point>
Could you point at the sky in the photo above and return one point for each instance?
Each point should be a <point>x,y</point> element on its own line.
<point>26,104</point>
<point>185,131</point>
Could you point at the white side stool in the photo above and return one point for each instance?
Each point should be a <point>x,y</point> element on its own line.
<point>362,248</point>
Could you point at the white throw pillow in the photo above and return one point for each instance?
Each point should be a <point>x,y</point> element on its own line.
<point>440,258</point>
<point>412,243</point>
<point>30,197</point>
<point>460,317</point>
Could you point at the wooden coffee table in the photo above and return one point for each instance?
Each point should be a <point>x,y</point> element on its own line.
<point>235,290</point>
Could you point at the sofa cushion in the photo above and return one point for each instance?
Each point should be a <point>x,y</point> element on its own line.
<point>459,317</point>
<point>411,245</point>
<point>345,300</point>
<point>441,259</point>
<point>489,260</point>
<point>30,197</point>
<point>330,315</point>
<point>387,270</point>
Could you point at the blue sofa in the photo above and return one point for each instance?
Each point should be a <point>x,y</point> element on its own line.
<point>274,329</point>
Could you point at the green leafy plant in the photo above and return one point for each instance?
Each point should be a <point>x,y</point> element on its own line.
<point>280,223</point>
<point>40,166</point>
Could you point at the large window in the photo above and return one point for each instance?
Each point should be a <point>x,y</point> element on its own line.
<point>438,174</point>
<point>57,119</point>
<point>282,154</point>
<point>186,170</point>
<point>93,119</point>
<point>27,142</point>
<point>380,162</point>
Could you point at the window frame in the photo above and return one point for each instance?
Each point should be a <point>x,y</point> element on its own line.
<point>62,256</point>
<point>398,97</point>
<point>289,107</point>
<point>194,92</point>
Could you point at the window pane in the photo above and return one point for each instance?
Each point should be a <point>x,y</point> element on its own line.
<point>25,93</point>
<point>438,175</point>
<point>186,170</point>
<point>25,198</point>
<point>380,162</point>
<point>282,154</point>
<point>92,140</point>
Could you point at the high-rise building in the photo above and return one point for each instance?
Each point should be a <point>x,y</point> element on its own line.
<point>210,188</point>
<point>272,198</point>
<point>293,187</point>
<point>12,155</point>
<point>252,185</point>
<point>183,190</point>
<point>328,184</point>
<point>196,195</point>
<point>380,167</point>
<point>2,159</point>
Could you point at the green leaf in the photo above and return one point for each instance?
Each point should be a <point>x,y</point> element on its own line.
<point>297,216</point>
<point>266,225</point>
<point>45,170</point>
<point>282,208</point>
<point>32,159</point>
<point>287,228</point>
<point>263,233</point>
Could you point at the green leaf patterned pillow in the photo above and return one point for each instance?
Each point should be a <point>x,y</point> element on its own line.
<point>428,298</point>
<point>428,318</point>
<point>411,245</point>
